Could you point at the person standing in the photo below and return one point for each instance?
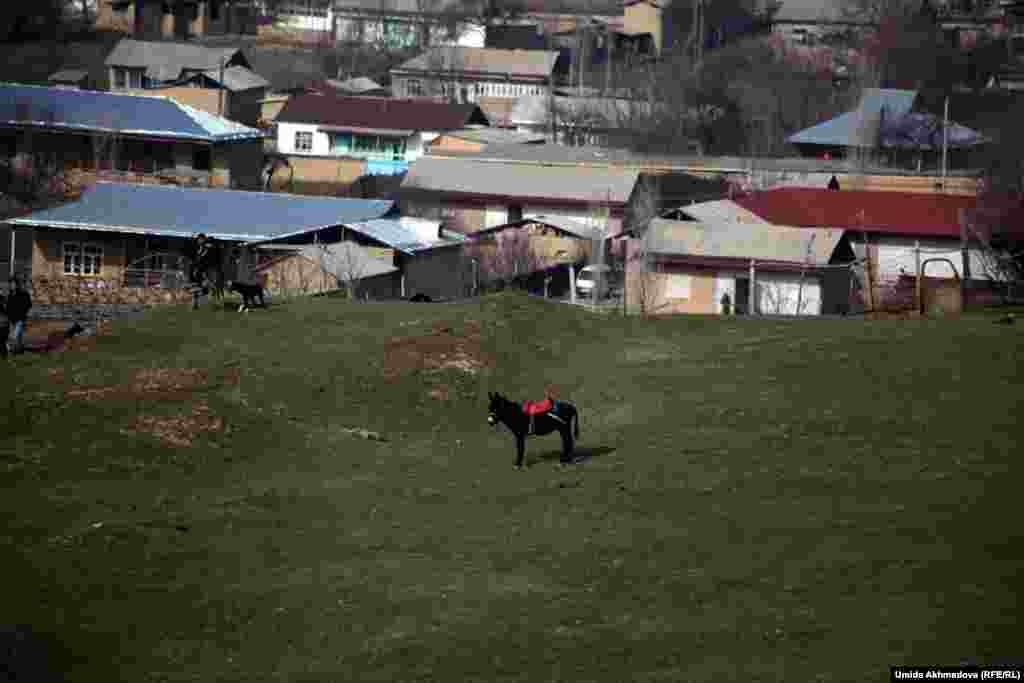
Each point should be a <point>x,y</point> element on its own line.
<point>19,303</point>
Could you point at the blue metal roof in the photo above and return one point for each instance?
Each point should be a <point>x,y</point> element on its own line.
<point>86,110</point>
<point>222,214</point>
<point>408,235</point>
<point>859,128</point>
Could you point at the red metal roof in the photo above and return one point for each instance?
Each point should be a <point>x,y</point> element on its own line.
<point>379,113</point>
<point>903,213</point>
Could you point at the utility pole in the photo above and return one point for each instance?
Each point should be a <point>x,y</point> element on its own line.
<point>945,140</point>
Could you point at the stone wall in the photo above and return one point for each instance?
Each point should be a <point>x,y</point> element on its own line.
<point>85,312</point>
<point>75,291</point>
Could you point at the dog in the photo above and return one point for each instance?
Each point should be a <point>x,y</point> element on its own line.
<point>421,299</point>
<point>249,292</point>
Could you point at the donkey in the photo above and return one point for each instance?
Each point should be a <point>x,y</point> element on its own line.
<point>529,419</point>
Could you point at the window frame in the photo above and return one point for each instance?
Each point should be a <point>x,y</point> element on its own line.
<point>120,78</point>
<point>412,90</point>
<point>302,147</point>
<point>90,256</point>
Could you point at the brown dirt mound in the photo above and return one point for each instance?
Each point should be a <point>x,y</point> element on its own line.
<point>179,430</point>
<point>445,347</point>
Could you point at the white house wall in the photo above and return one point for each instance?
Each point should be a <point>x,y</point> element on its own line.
<point>286,139</point>
<point>779,295</point>
<point>896,256</point>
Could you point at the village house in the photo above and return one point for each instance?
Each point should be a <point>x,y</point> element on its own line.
<point>404,24</point>
<point>424,258</point>
<point>127,235</point>
<point>715,266</point>
<point>157,18</point>
<point>579,121</point>
<point>385,133</point>
<point>471,194</point>
<point>884,124</point>
<point>466,74</point>
<point>215,80</point>
<point>533,249</point>
<point>86,131</point>
<point>894,231</point>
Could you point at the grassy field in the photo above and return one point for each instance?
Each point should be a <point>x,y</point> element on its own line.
<point>799,500</point>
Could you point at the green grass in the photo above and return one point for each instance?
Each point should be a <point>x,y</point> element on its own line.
<point>810,500</point>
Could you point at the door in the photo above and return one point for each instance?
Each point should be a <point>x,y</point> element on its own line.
<point>742,296</point>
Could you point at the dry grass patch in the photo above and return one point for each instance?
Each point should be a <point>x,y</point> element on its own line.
<point>179,430</point>
<point>147,383</point>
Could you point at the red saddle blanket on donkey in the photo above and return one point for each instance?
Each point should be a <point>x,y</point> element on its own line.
<point>538,407</point>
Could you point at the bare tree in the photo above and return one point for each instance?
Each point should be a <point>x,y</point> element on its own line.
<point>348,264</point>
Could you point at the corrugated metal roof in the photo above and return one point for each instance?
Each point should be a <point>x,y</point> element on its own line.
<point>859,128</point>
<point>743,241</point>
<point>573,226</point>
<point>164,60</point>
<point>903,213</point>
<point>359,84</point>
<point>347,260</point>
<point>721,210</point>
<point>87,110</point>
<point>68,76</point>
<point>182,212</point>
<point>238,78</point>
<point>406,234</point>
<point>471,176</point>
<point>379,113</point>
<point>497,136</point>
<point>522,63</point>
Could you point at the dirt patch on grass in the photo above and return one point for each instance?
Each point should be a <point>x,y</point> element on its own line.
<point>179,430</point>
<point>147,383</point>
<point>48,335</point>
<point>446,346</point>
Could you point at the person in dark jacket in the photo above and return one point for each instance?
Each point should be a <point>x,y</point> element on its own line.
<point>19,303</point>
<point>833,184</point>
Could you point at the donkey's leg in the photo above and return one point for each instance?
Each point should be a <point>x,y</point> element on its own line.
<point>566,444</point>
<point>520,450</point>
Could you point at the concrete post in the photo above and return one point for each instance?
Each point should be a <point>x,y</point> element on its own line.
<point>752,302</point>
<point>572,283</point>
<point>918,303</point>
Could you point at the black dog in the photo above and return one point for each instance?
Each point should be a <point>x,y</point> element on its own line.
<point>250,293</point>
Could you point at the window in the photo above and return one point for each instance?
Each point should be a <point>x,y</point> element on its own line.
<point>341,143</point>
<point>135,78</point>
<point>214,10</point>
<point>677,286</point>
<point>303,141</point>
<point>82,258</point>
<point>414,88</point>
<point>120,78</point>
<point>201,159</point>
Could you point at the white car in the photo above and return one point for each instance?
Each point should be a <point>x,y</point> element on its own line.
<point>586,279</point>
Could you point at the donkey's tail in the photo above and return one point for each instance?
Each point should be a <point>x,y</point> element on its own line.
<point>577,421</point>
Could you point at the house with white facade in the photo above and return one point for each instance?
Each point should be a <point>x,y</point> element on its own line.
<point>388,133</point>
<point>467,74</point>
